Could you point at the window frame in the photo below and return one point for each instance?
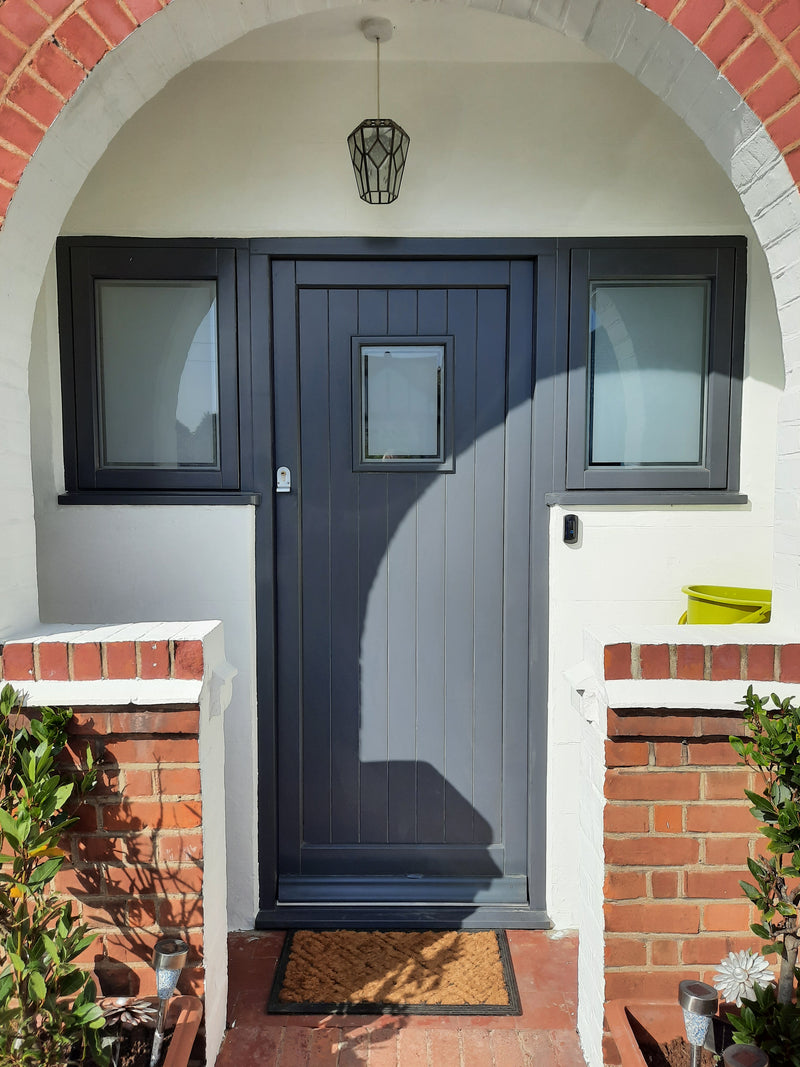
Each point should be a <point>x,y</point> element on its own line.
<point>81,263</point>
<point>445,465</point>
<point>721,262</point>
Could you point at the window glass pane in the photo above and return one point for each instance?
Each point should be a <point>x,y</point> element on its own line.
<point>157,374</point>
<point>401,402</point>
<point>647,370</point>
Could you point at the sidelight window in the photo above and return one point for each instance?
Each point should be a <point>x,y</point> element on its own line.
<point>655,367</point>
<point>149,366</point>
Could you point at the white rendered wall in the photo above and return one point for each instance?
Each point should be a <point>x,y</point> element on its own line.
<point>248,148</point>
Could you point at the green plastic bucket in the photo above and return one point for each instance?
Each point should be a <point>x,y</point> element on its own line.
<point>714,604</point>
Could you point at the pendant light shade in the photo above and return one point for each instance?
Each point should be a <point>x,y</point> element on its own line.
<point>378,147</point>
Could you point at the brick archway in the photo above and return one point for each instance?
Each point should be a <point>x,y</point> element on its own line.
<point>49,47</point>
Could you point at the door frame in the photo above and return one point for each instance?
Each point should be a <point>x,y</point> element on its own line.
<point>549,396</point>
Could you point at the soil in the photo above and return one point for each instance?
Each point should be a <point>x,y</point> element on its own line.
<point>135,1047</point>
<point>675,1053</point>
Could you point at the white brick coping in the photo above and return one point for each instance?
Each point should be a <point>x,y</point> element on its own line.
<point>215,684</point>
<point>681,693</point>
<point>769,633</point>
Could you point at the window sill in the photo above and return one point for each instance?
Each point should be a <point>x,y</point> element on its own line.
<point>165,497</point>
<point>647,497</point>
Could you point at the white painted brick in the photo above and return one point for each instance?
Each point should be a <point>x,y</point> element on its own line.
<point>164,36</point>
<point>769,187</point>
<point>42,188</point>
<point>640,37</point>
<point>253,13</point>
<point>14,377</point>
<point>578,18</point>
<point>521,9</point>
<point>698,77</point>
<point>19,503</point>
<point>791,357</point>
<point>205,30</point>
<point>16,439</point>
<point>785,573</point>
<point>787,473</point>
<point>550,13</point>
<point>609,26</point>
<point>787,542</point>
<point>12,400</point>
<point>783,252</point>
<point>249,16</point>
<point>665,61</point>
<point>591,985</point>
<point>19,604</point>
<point>788,439</point>
<point>780,219</point>
<point>752,158</point>
<point>719,109</point>
<point>485,5</point>
<point>789,316</point>
<point>787,286</point>
<point>221,22</point>
<point>787,506</point>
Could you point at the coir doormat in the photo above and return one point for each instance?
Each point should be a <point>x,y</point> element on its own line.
<point>395,972</point>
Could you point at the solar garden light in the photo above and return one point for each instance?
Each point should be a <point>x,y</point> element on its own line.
<point>744,1056</point>
<point>169,957</point>
<point>699,1002</point>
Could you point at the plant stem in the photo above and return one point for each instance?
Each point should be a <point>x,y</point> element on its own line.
<point>788,964</point>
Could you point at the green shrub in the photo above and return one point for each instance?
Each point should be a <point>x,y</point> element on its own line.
<point>48,1014</point>
<point>773,1027</point>
<point>772,749</point>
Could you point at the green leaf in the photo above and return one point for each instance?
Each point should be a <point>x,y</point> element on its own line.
<point>751,891</point>
<point>50,947</point>
<point>9,828</point>
<point>760,931</point>
<point>37,986</point>
<point>46,871</point>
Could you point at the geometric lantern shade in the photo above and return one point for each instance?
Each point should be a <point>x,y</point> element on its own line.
<point>378,150</point>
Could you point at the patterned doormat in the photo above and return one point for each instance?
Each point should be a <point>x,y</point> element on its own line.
<point>395,972</point>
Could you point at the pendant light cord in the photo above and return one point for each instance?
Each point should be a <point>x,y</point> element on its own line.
<point>378,78</point>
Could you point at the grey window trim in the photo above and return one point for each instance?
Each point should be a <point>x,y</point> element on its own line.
<point>638,498</point>
<point>723,263</point>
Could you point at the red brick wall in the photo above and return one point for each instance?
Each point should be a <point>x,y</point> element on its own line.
<point>717,663</point>
<point>677,828</point>
<point>137,850</point>
<point>48,47</point>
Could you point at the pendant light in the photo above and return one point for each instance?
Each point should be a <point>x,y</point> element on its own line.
<point>378,147</point>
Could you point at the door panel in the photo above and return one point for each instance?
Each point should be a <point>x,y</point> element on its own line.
<point>402,596</point>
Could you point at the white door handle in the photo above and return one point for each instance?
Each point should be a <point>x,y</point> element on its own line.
<point>283,480</point>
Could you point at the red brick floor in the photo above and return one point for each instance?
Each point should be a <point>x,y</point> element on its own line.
<point>543,1036</point>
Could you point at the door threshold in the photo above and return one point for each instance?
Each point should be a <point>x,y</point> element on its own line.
<point>379,916</point>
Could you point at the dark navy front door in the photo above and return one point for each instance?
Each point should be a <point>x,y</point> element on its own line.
<point>402,588</point>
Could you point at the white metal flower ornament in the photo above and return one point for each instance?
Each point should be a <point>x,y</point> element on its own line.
<point>739,973</point>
